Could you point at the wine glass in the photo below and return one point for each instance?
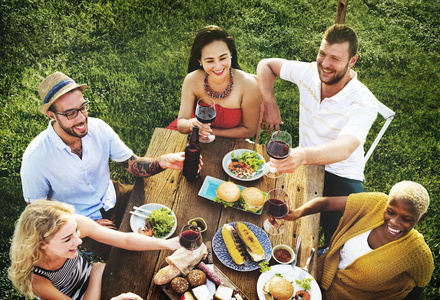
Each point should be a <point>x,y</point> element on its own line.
<point>276,206</point>
<point>190,237</point>
<point>205,113</point>
<point>278,148</point>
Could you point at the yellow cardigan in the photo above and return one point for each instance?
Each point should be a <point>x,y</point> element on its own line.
<point>388,272</point>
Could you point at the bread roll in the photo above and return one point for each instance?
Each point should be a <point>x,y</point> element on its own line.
<point>179,285</point>
<point>196,278</point>
<point>166,274</point>
<point>228,191</point>
<point>253,198</point>
<point>279,288</point>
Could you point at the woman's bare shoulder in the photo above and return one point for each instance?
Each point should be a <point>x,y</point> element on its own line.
<point>247,78</point>
<point>196,75</point>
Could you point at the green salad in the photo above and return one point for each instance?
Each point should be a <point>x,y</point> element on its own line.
<point>305,283</point>
<point>162,221</point>
<point>250,158</point>
<point>264,266</point>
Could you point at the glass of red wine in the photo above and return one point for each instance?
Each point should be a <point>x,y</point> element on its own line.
<point>190,237</point>
<point>277,207</point>
<point>205,113</point>
<point>278,147</point>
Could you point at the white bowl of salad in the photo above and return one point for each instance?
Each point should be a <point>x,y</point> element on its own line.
<point>243,164</point>
<point>162,220</point>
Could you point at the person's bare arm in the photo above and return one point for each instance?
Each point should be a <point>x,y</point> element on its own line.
<point>44,289</point>
<point>185,121</point>
<point>127,296</point>
<point>317,205</point>
<point>267,71</point>
<point>324,154</point>
<point>145,166</point>
<point>125,240</point>
<point>95,280</point>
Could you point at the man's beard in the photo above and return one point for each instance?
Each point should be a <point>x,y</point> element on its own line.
<point>336,76</point>
<point>70,131</point>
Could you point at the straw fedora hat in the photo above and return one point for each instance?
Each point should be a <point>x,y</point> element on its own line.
<point>53,87</point>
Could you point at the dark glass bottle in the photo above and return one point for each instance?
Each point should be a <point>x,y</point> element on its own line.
<point>192,156</point>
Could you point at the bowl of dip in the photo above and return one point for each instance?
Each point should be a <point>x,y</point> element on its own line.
<point>283,254</point>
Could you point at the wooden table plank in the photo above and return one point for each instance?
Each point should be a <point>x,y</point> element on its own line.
<point>187,203</point>
<point>133,271</point>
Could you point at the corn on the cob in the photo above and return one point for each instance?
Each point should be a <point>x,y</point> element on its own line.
<point>233,244</point>
<point>250,242</point>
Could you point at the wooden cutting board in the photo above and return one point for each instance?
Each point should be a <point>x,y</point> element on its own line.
<point>173,296</point>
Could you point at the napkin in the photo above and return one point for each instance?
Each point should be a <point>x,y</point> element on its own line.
<point>185,260</point>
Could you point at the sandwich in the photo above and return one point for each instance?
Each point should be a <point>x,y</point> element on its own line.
<point>252,199</point>
<point>228,194</point>
<point>278,288</point>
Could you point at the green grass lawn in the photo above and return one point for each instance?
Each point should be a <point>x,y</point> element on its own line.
<point>133,56</point>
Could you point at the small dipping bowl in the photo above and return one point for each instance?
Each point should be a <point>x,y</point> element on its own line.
<point>200,223</point>
<point>282,251</point>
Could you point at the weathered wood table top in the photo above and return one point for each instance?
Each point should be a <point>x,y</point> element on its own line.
<point>131,271</point>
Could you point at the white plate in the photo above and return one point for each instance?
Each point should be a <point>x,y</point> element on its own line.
<point>220,250</point>
<point>289,273</point>
<point>136,222</point>
<point>228,159</point>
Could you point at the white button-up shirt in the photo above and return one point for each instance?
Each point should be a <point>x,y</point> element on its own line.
<point>50,170</point>
<point>352,111</point>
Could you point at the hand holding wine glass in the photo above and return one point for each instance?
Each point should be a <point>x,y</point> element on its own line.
<point>277,207</point>
<point>205,113</point>
<point>190,237</point>
<point>278,147</point>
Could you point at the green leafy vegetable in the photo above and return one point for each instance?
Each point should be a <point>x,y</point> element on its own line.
<point>250,158</point>
<point>305,283</point>
<point>217,199</point>
<point>264,266</point>
<point>161,221</point>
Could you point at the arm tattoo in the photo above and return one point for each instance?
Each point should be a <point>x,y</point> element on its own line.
<point>144,167</point>
<point>124,164</point>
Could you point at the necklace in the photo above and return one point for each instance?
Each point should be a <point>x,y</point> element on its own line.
<point>218,95</point>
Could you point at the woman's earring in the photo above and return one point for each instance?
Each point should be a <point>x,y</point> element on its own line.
<point>200,64</point>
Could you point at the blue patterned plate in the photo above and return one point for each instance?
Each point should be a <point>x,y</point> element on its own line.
<point>222,253</point>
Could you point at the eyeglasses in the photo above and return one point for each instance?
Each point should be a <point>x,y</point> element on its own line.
<point>71,114</point>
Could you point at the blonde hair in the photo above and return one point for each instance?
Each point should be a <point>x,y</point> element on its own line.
<point>412,192</point>
<point>38,223</point>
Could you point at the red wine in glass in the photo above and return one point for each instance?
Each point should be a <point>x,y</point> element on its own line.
<point>276,208</point>
<point>278,149</point>
<point>190,237</point>
<point>205,114</point>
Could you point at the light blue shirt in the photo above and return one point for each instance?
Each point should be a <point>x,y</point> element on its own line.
<point>51,171</point>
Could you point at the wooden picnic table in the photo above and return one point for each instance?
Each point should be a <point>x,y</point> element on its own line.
<point>131,271</point>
